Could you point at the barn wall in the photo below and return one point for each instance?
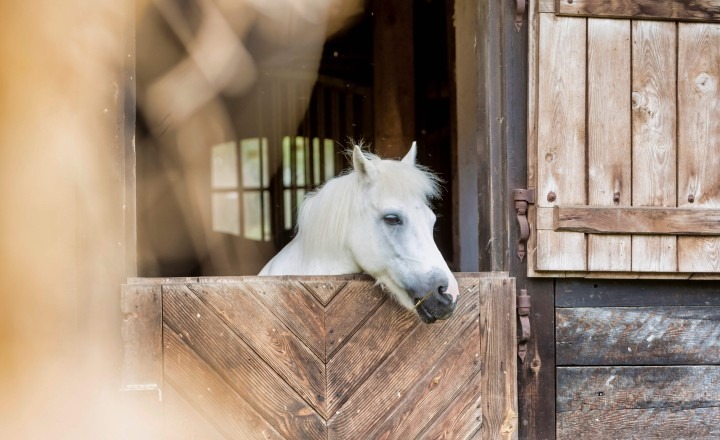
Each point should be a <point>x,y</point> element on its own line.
<point>637,357</point>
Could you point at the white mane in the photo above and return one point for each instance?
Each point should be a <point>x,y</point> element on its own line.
<point>324,213</point>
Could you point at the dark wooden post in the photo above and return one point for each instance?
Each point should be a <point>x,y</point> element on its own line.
<point>394,71</point>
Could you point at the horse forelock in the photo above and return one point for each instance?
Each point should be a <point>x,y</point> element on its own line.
<point>323,216</point>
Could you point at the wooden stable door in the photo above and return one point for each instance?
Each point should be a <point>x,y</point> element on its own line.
<point>624,138</point>
<point>319,358</point>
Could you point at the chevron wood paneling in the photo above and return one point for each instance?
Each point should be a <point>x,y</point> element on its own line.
<point>327,358</point>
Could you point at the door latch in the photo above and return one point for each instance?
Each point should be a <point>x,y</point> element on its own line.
<point>523,311</point>
<point>523,198</point>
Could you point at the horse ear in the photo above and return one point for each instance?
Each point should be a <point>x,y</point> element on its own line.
<point>411,155</point>
<point>362,165</point>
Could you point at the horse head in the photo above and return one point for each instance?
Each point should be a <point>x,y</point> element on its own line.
<point>390,234</point>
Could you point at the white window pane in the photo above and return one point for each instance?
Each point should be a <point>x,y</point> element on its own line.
<point>267,236</point>
<point>250,156</point>
<point>224,166</point>
<point>252,216</point>
<point>226,212</point>
<point>329,158</point>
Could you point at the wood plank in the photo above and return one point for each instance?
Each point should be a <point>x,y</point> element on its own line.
<point>679,388</point>
<point>659,402</point>
<point>369,347</point>
<point>536,375</point>
<point>268,336</point>
<point>653,137</point>
<point>699,10</point>
<point>393,77</point>
<point>197,380</point>
<point>638,336</point>
<point>695,424</point>
<point>141,306</point>
<point>699,137</point>
<point>408,363</point>
<point>431,394</point>
<point>609,152</point>
<point>498,342</point>
<point>637,220</point>
<point>348,310</point>
<point>462,419</point>
<point>287,299</point>
<point>324,291</point>
<point>551,255</point>
<point>622,293</point>
<point>256,382</point>
<point>561,135</point>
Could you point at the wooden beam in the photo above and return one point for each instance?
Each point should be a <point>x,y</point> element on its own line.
<point>661,402</point>
<point>684,10</point>
<point>637,335</point>
<point>636,220</point>
<point>394,77</point>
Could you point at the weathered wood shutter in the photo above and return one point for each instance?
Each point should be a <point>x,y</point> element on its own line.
<point>624,138</point>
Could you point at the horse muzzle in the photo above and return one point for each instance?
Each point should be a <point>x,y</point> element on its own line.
<point>437,307</point>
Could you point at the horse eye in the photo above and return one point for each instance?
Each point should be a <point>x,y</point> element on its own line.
<point>392,219</point>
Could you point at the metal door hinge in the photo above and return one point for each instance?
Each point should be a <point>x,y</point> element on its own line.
<point>523,198</point>
<point>523,311</point>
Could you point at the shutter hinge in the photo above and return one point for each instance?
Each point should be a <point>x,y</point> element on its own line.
<point>523,198</point>
<point>523,311</point>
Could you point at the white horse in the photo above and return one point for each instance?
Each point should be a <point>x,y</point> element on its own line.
<point>375,219</point>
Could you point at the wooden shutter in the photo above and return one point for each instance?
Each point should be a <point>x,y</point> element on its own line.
<point>624,138</point>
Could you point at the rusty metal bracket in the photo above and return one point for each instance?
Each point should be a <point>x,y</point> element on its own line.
<point>523,311</point>
<point>523,198</point>
<point>519,12</point>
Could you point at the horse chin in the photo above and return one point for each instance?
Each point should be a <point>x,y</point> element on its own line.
<point>424,315</point>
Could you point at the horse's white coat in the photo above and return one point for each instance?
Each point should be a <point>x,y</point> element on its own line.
<point>341,227</point>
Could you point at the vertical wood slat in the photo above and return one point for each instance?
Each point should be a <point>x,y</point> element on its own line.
<point>699,137</point>
<point>499,356</point>
<point>561,135</point>
<point>609,161</point>
<point>654,136</point>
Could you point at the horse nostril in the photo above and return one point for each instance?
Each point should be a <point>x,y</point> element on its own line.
<point>443,297</point>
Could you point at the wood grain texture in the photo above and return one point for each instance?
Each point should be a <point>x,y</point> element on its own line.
<point>609,151</point>
<point>651,424</point>
<point>230,412</point>
<point>393,380</point>
<point>268,337</point>
<point>638,220</point>
<point>654,173</point>
<point>647,402</point>
<point>612,388</point>
<point>561,135</point>
<point>700,10</point>
<point>459,420</point>
<point>499,354</point>
<point>357,301</point>
<point>288,299</point>
<point>699,137</point>
<point>638,336</point>
<point>324,290</point>
<point>436,390</point>
<point>256,382</point>
<point>369,347</point>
